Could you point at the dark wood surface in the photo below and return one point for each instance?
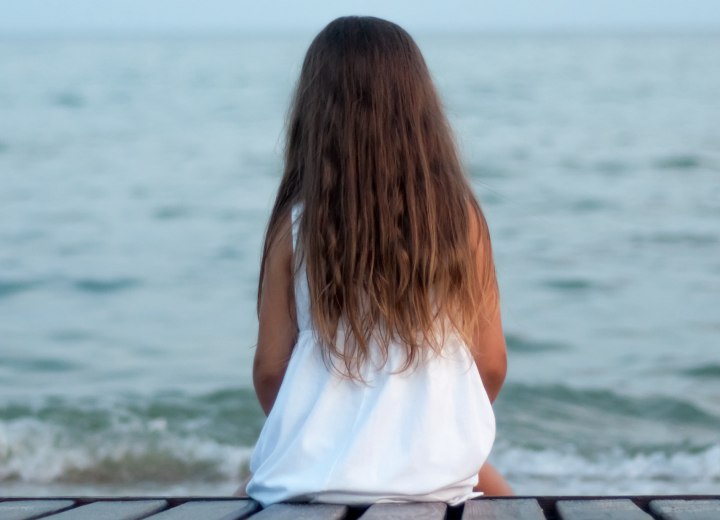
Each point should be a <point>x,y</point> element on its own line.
<point>499,509</point>
<point>232,508</point>
<point>112,510</point>
<point>686,509</point>
<point>618,509</point>
<point>416,511</point>
<point>302,512</point>
<point>209,510</point>
<point>26,509</point>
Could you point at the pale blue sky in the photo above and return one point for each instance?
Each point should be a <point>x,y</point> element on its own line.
<point>69,16</point>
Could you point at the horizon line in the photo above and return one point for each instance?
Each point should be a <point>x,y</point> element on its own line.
<point>236,32</point>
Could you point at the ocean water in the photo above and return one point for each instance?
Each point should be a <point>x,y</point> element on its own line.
<point>136,177</point>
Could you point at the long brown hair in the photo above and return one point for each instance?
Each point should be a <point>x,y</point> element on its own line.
<point>384,233</point>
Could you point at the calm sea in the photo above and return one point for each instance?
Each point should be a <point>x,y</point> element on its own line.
<point>136,177</point>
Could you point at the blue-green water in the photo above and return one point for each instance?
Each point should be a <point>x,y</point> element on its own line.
<point>136,177</point>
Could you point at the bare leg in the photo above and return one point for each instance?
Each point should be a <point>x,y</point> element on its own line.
<point>492,483</point>
<point>241,492</point>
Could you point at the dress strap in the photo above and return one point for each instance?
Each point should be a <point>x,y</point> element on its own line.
<point>302,306</point>
<point>295,223</point>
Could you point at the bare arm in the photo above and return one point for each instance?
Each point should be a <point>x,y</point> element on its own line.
<point>489,348</point>
<point>490,353</point>
<point>491,356</point>
<point>277,327</point>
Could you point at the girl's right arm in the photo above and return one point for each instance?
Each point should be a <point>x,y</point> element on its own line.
<point>277,326</point>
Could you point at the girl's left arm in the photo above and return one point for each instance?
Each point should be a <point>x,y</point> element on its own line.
<point>489,348</point>
<point>277,326</point>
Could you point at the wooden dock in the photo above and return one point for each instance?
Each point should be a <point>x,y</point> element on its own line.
<point>514,508</point>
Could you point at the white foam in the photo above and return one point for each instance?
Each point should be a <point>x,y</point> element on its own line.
<point>33,451</point>
<point>115,461</point>
<point>536,472</point>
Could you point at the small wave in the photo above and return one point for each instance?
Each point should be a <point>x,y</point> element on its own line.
<point>678,162</point>
<point>233,215</point>
<point>589,205</point>
<point>552,416</point>
<point>12,287</point>
<point>38,365</point>
<point>611,167</point>
<point>67,99</point>
<point>230,252</point>
<point>96,285</point>
<point>517,343</point>
<point>231,415</point>
<point>710,371</point>
<point>486,171</point>
<point>558,400</point>
<point>70,336</point>
<point>569,284</point>
<point>677,238</point>
<point>172,212</point>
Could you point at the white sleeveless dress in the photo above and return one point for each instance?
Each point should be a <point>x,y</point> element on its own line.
<point>416,436</point>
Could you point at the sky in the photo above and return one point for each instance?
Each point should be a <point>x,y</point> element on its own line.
<point>208,16</point>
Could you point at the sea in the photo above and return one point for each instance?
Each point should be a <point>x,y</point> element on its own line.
<point>137,174</point>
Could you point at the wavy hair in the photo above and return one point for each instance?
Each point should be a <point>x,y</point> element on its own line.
<point>385,230</point>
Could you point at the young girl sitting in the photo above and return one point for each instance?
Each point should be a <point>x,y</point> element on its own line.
<point>380,345</point>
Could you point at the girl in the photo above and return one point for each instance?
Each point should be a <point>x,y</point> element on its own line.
<point>380,345</point>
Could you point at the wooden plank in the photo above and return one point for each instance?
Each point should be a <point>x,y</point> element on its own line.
<point>613,509</point>
<point>209,510</point>
<point>686,509</point>
<point>410,511</point>
<point>302,512</point>
<point>112,510</point>
<point>502,509</point>
<point>27,509</point>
